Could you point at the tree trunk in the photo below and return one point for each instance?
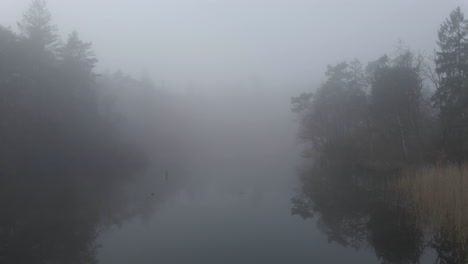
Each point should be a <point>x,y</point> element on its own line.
<point>403,140</point>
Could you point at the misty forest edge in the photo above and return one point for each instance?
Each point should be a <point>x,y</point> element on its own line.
<point>403,119</point>
<point>404,115</point>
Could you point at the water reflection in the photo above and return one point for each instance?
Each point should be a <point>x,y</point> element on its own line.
<point>56,218</point>
<point>354,209</point>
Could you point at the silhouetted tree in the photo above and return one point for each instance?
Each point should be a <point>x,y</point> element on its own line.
<point>336,112</point>
<point>36,25</point>
<point>395,100</point>
<point>451,96</point>
<point>63,168</point>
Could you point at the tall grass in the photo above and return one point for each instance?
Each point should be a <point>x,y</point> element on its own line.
<point>438,197</point>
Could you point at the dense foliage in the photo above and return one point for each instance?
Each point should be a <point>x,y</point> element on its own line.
<point>365,127</point>
<point>66,152</point>
<point>385,114</point>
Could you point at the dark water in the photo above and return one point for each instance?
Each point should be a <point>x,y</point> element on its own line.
<point>234,215</point>
<point>245,196</point>
<point>242,197</point>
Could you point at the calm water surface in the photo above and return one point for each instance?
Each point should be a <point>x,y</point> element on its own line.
<point>234,215</point>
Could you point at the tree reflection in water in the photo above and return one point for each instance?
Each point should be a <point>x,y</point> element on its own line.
<point>56,218</point>
<point>353,208</point>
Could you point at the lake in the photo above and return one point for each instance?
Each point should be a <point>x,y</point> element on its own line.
<point>232,215</point>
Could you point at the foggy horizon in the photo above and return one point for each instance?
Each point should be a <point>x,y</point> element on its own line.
<point>185,44</point>
<point>233,131</point>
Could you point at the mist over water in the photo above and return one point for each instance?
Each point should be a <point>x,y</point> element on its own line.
<point>233,131</point>
<point>231,203</point>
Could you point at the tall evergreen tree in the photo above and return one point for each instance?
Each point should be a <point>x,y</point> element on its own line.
<point>452,90</point>
<point>36,25</point>
<point>77,61</point>
<point>78,54</point>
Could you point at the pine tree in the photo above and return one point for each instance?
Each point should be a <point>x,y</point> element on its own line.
<point>36,25</point>
<point>78,54</point>
<point>452,92</point>
<point>77,61</point>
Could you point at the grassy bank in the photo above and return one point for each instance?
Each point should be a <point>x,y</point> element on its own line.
<point>438,197</point>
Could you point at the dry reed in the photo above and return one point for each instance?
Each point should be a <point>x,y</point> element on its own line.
<point>438,197</point>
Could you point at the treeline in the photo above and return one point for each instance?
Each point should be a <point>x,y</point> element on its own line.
<point>397,110</point>
<point>68,142</point>
<point>389,142</point>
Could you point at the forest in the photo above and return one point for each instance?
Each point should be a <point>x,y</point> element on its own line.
<point>403,120</point>
<point>93,159</point>
<point>72,139</point>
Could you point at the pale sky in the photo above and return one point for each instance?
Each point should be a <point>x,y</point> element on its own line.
<point>208,42</point>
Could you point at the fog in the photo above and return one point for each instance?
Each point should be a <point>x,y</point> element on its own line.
<point>211,44</point>
<point>183,131</point>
